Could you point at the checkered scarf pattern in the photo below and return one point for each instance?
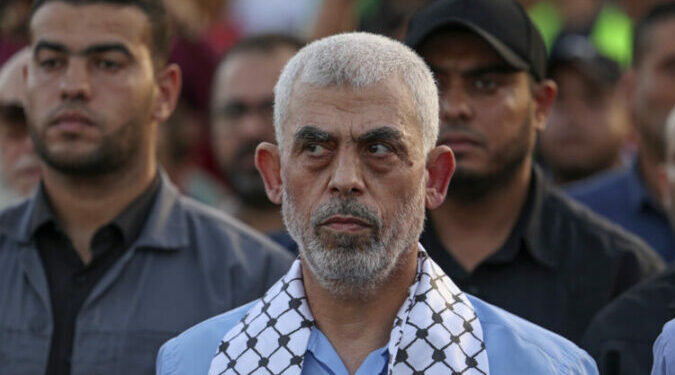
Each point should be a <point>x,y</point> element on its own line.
<point>436,330</point>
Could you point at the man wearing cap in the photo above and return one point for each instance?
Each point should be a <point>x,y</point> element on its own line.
<point>356,120</point>
<point>19,164</point>
<point>588,125</point>
<point>503,233</point>
<point>630,198</point>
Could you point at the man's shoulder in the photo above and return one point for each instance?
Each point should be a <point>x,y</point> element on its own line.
<point>15,219</point>
<point>664,350</point>
<point>590,232</point>
<point>515,345</point>
<point>602,188</point>
<point>208,224</point>
<point>191,352</point>
<point>624,318</point>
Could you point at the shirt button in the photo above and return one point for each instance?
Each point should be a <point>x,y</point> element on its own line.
<point>80,279</point>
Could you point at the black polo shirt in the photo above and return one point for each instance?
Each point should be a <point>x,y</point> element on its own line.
<point>621,336</point>
<point>559,265</point>
<point>70,280</point>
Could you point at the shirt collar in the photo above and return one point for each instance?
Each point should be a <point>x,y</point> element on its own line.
<point>129,221</point>
<point>165,224</point>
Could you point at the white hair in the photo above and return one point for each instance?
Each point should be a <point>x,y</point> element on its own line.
<point>360,60</point>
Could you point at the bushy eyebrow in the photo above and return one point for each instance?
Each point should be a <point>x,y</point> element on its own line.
<point>91,50</point>
<point>384,133</point>
<point>313,134</point>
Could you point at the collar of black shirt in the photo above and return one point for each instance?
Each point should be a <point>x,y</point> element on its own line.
<point>129,222</point>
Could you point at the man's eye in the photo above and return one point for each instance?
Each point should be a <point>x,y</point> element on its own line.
<point>379,149</point>
<point>105,64</point>
<point>314,149</point>
<point>485,84</point>
<point>51,63</point>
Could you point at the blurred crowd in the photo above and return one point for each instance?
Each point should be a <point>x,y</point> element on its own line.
<point>604,143</point>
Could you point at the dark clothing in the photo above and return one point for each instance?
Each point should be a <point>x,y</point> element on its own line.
<point>621,336</point>
<point>560,264</point>
<point>623,198</point>
<point>188,262</point>
<point>70,280</point>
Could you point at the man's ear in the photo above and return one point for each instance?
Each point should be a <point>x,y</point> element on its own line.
<point>544,93</point>
<point>169,83</point>
<point>268,163</point>
<point>440,167</point>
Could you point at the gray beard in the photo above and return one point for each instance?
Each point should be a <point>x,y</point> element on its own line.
<point>354,267</point>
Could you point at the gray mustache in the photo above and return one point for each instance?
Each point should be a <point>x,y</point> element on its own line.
<point>346,207</point>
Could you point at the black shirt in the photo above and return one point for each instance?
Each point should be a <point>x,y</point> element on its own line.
<point>70,280</point>
<point>560,264</point>
<point>621,336</point>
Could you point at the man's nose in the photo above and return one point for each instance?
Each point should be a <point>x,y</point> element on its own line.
<point>76,81</point>
<point>454,105</point>
<point>347,177</point>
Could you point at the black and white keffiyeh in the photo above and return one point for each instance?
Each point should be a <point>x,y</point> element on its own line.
<point>436,330</point>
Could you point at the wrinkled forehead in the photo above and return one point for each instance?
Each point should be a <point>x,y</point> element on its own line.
<point>343,108</point>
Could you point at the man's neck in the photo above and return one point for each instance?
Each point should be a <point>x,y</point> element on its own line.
<point>472,231</point>
<point>84,204</point>
<point>356,327</point>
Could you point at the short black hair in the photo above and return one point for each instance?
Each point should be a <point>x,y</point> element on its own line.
<point>641,40</point>
<point>155,11</point>
<point>264,43</point>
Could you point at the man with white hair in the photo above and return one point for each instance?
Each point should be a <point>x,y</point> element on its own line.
<point>621,335</point>
<point>19,164</point>
<point>356,164</point>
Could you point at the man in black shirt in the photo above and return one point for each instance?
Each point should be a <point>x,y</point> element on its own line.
<point>106,260</point>
<point>502,233</point>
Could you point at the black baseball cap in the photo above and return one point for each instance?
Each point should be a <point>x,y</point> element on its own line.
<point>577,51</point>
<point>503,24</point>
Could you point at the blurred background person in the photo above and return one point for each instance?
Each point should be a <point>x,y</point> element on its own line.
<point>13,27</point>
<point>242,117</point>
<point>621,336</point>
<point>19,164</point>
<point>588,126</point>
<point>631,197</point>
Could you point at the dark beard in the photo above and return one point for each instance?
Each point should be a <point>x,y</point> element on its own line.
<point>115,153</point>
<point>470,187</point>
<point>247,184</point>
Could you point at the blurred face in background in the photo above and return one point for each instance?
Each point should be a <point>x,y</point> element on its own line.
<point>242,117</point>
<point>653,87</point>
<point>20,165</point>
<point>587,126</point>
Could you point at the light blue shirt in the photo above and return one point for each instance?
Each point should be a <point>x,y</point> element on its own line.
<point>664,351</point>
<point>514,347</point>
